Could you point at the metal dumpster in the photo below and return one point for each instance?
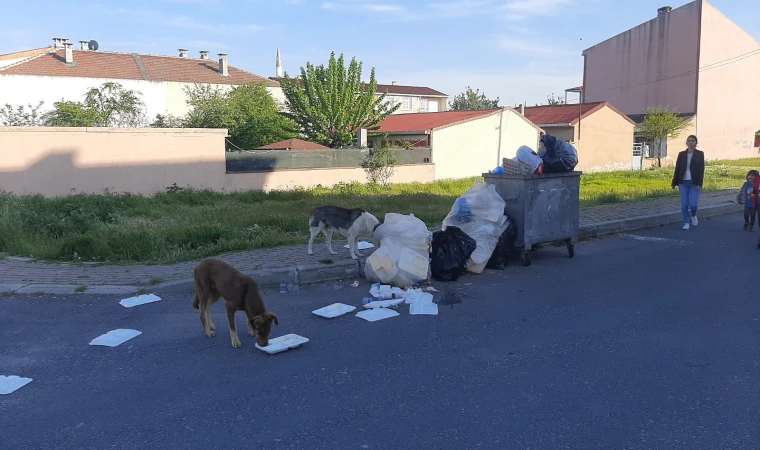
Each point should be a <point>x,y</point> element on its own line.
<point>545,208</point>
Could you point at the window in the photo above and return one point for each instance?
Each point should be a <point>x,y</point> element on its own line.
<point>423,105</point>
<point>407,104</point>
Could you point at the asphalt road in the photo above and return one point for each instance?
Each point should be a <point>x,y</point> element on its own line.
<point>649,341</point>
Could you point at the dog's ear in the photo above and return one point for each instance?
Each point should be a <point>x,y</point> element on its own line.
<point>274,318</point>
<point>257,321</point>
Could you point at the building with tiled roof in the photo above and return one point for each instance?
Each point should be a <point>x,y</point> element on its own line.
<point>601,133</point>
<point>294,144</point>
<point>462,143</point>
<point>60,72</point>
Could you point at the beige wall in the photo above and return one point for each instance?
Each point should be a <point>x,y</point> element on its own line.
<point>605,142</point>
<point>472,148</point>
<point>61,161</point>
<point>621,69</point>
<point>563,133</point>
<point>728,112</point>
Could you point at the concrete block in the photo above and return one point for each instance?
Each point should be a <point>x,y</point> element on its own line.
<point>274,277</point>
<point>10,287</point>
<point>51,289</point>
<point>318,273</point>
<point>111,290</point>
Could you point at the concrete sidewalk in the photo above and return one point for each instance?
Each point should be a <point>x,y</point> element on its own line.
<point>292,265</point>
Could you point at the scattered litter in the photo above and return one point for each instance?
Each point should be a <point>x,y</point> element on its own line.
<point>366,300</point>
<point>139,300</point>
<point>373,315</point>
<point>384,303</point>
<point>12,383</point>
<point>423,308</point>
<point>363,245</point>
<point>292,288</point>
<point>431,289</point>
<point>386,292</point>
<point>355,284</point>
<point>283,288</point>
<point>283,343</point>
<point>334,310</point>
<point>418,296</point>
<point>115,337</point>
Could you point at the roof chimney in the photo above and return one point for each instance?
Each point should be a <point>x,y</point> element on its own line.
<point>58,42</point>
<point>223,68</point>
<point>69,52</point>
<point>664,10</point>
<point>84,45</point>
<point>204,54</point>
<point>393,83</point>
<point>522,108</point>
<point>183,53</point>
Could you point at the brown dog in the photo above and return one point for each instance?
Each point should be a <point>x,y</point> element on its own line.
<point>215,279</point>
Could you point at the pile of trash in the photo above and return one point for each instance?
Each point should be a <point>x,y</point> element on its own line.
<point>554,156</point>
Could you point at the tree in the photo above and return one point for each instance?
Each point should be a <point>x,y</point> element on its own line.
<point>20,116</point>
<point>473,100</point>
<point>552,101</point>
<point>659,125</point>
<point>249,113</point>
<point>380,164</point>
<point>71,114</point>
<point>330,104</point>
<point>109,105</point>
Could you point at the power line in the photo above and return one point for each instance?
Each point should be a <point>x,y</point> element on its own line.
<point>714,65</point>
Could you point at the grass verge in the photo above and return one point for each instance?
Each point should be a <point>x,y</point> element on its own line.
<point>182,224</point>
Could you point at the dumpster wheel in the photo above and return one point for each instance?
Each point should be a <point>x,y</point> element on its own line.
<point>570,250</point>
<point>525,257</point>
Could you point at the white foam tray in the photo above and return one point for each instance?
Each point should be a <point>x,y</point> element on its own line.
<point>334,310</point>
<point>115,337</point>
<point>383,303</point>
<point>282,343</point>
<point>373,315</point>
<point>139,300</point>
<point>423,309</point>
<point>362,245</point>
<point>12,383</point>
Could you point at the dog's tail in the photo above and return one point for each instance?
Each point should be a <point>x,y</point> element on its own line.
<point>196,301</point>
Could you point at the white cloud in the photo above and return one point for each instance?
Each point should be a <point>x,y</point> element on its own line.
<point>371,7</point>
<point>523,9</point>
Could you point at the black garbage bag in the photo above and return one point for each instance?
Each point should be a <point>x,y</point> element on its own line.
<point>451,248</point>
<point>558,156</point>
<point>500,257</point>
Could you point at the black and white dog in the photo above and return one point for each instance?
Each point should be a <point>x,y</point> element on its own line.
<point>350,223</point>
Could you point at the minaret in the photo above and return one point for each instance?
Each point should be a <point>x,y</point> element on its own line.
<point>278,70</point>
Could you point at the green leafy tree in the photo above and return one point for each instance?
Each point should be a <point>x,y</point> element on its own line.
<point>659,125</point>
<point>249,113</point>
<point>110,105</point>
<point>380,163</point>
<point>71,114</point>
<point>473,100</point>
<point>21,116</point>
<point>330,104</point>
<point>168,121</point>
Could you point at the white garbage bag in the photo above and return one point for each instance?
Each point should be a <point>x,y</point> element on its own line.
<point>528,156</point>
<point>479,212</point>
<point>403,252</point>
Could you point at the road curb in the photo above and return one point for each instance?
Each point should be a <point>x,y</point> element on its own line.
<point>655,220</point>
<point>265,278</point>
<point>320,273</point>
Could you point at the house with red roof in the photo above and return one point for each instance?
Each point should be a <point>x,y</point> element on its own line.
<point>601,133</point>
<point>463,143</point>
<point>58,72</point>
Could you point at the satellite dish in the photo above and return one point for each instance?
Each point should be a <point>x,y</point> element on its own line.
<point>92,45</point>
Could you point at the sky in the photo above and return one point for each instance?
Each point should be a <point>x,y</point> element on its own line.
<point>517,50</point>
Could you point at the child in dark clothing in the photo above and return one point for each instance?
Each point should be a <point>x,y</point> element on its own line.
<point>748,197</point>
